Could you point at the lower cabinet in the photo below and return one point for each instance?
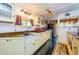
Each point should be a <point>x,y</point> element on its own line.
<point>5,46</point>
<point>11,46</point>
<point>18,46</point>
<point>43,50</point>
<point>22,45</point>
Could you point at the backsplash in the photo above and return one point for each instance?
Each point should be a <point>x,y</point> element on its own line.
<point>9,27</point>
<point>6,27</point>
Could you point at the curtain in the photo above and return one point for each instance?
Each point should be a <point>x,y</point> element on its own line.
<point>18,20</point>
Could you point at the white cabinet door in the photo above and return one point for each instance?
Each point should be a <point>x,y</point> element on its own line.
<point>5,46</point>
<point>2,46</point>
<point>44,49</point>
<point>18,46</point>
<point>12,46</point>
<point>31,44</point>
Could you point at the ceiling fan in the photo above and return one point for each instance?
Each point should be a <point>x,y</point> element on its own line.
<point>49,12</point>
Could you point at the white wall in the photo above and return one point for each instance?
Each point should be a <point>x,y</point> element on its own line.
<point>62,15</point>
<point>72,13</point>
<point>55,17</point>
<point>9,27</point>
<point>6,27</point>
<point>61,30</point>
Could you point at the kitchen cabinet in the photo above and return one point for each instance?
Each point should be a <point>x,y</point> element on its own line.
<point>44,49</point>
<point>37,47</point>
<point>32,44</point>
<point>5,46</point>
<point>6,12</point>
<point>46,43</point>
<point>12,46</point>
<point>25,45</point>
<point>18,46</point>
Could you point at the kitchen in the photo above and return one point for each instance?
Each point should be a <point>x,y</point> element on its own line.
<point>23,29</point>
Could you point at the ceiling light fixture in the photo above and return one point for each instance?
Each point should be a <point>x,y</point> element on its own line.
<point>25,12</point>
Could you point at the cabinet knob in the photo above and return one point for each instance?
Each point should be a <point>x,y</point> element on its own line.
<point>6,40</point>
<point>9,39</point>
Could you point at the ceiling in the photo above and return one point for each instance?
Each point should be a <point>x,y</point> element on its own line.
<point>40,8</point>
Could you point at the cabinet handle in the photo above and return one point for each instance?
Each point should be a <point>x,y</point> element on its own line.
<point>6,40</point>
<point>9,39</point>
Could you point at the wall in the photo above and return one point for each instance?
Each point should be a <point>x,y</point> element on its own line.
<point>55,17</point>
<point>62,30</point>
<point>62,15</point>
<point>35,19</point>
<point>5,27</point>
<point>10,27</point>
<point>72,13</point>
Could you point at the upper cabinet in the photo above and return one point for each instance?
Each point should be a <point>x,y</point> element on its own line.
<point>6,12</point>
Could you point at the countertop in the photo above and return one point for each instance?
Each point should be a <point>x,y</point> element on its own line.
<point>32,47</point>
<point>33,42</point>
<point>13,34</point>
